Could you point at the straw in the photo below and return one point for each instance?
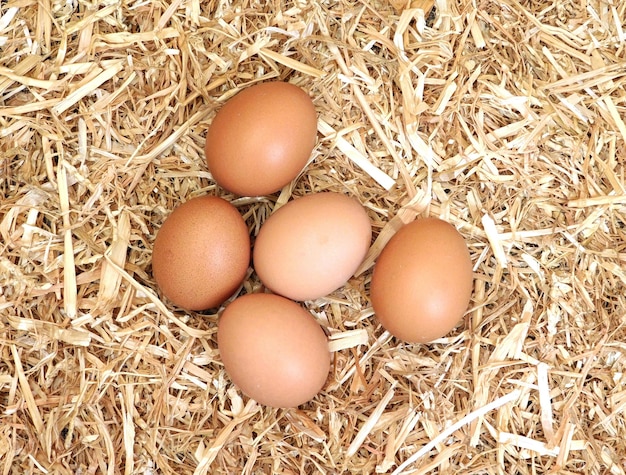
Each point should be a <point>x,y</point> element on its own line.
<point>505,118</point>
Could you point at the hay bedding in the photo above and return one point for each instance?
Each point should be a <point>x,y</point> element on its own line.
<point>504,117</point>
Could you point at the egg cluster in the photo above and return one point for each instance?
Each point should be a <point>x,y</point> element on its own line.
<point>271,347</point>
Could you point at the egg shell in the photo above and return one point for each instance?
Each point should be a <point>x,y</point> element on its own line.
<point>273,349</point>
<point>422,281</point>
<point>201,253</point>
<point>312,245</point>
<point>261,138</point>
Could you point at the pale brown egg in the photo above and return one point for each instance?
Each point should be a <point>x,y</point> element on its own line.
<point>273,349</point>
<point>312,245</point>
<point>201,253</point>
<point>422,281</point>
<point>261,138</point>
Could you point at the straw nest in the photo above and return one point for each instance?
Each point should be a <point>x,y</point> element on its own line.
<point>504,117</point>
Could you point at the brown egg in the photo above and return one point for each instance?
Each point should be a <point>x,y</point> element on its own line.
<point>261,138</point>
<point>422,281</point>
<point>201,253</point>
<point>312,245</point>
<point>273,349</point>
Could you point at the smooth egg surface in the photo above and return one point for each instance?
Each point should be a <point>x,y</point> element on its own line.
<point>261,138</point>
<point>273,349</point>
<point>422,281</point>
<point>201,253</point>
<point>312,245</point>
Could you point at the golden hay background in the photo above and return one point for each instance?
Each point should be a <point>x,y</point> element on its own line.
<point>504,117</point>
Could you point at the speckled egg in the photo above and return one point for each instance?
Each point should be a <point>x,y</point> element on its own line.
<point>201,253</point>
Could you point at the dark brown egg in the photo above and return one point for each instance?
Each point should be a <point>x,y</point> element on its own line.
<point>261,138</point>
<point>201,253</point>
<point>422,281</point>
<point>273,349</point>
